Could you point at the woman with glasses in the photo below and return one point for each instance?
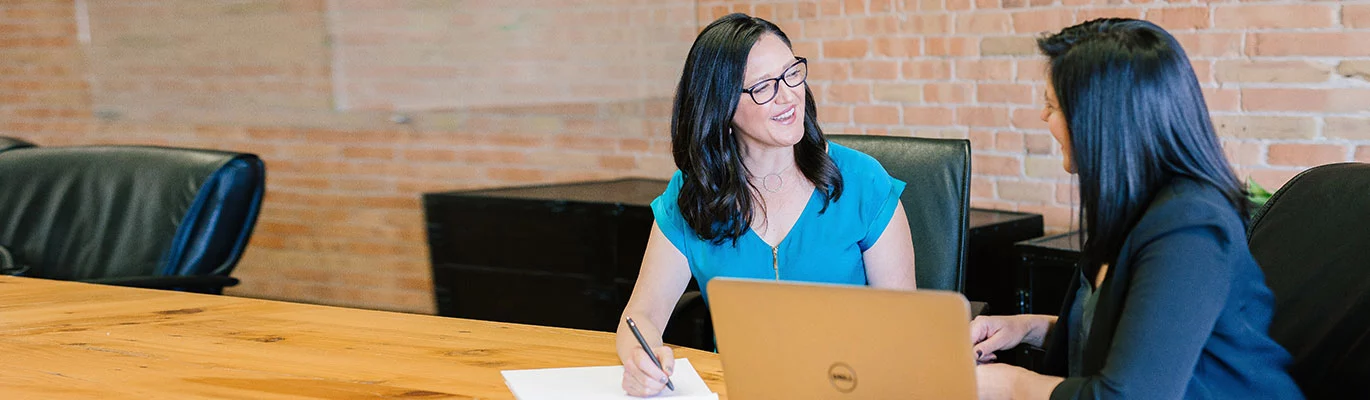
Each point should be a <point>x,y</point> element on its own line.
<point>760,192</point>
<point>1167,301</point>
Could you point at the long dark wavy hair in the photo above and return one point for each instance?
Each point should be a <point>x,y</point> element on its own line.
<point>1137,119</point>
<point>716,196</point>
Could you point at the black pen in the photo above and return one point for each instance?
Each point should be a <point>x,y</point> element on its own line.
<point>648,349</point>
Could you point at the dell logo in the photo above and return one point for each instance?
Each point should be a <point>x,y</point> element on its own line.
<point>842,377</point>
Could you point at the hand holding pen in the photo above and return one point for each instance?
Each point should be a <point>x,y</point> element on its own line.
<point>646,370</point>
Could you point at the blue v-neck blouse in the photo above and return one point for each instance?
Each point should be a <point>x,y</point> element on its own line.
<point>821,247</point>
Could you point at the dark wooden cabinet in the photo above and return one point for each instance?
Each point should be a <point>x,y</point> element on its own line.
<point>1046,266</point>
<point>991,261</point>
<point>562,255</point>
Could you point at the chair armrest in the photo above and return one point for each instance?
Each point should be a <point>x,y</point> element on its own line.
<point>199,284</point>
<point>978,308</point>
<point>688,300</point>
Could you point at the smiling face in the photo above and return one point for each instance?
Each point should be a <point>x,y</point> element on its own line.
<point>779,122</point>
<point>1056,123</point>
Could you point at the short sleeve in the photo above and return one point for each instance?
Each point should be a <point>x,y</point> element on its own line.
<point>883,197</point>
<point>872,189</point>
<point>666,211</point>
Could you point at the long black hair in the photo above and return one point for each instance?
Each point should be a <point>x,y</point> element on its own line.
<point>716,196</point>
<point>1137,119</point>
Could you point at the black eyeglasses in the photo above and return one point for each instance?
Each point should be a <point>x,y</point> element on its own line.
<point>763,92</point>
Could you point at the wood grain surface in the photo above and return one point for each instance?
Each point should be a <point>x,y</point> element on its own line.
<point>75,340</point>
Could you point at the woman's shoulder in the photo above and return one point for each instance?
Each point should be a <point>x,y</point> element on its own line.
<point>1187,203</point>
<point>853,163</point>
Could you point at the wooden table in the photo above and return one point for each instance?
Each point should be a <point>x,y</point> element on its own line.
<point>76,340</point>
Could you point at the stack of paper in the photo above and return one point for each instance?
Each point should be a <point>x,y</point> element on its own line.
<point>586,383</point>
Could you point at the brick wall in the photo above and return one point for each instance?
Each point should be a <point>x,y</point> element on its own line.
<point>1286,80</point>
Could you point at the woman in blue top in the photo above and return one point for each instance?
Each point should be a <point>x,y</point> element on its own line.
<point>1167,302</point>
<point>760,192</point>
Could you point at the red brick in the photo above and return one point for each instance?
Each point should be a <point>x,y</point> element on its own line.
<point>946,93</point>
<point>1047,167</point>
<point>898,92</point>
<point>1180,19</point>
<point>1206,44</point>
<point>1354,69</point>
<point>984,22</point>
<point>617,162</point>
<point>1350,44</point>
<point>834,114</point>
<point>1067,194</point>
<point>854,48</point>
<point>1363,154</point>
<point>1039,143</point>
<point>919,70</point>
<point>951,46</point>
<point>1096,13</point>
<point>1272,179</point>
<point>1004,93</point>
<point>874,69</point>
<point>1222,99</point>
<point>1274,16</point>
<point>1246,71</point>
<point>1029,192</point>
<point>1031,70</point>
<point>985,70</point>
<point>1355,15</point>
<point>981,187</point>
<point>1008,46</point>
<point>926,24</point>
<point>928,116</point>
<point>848,93</point>
<point>829,71</point>
<point>876,26</point>
<point>1028,118</point>
<point>1347,128</point>
<point>876,115</point>
<point>1265,127</point>
<point>994,165</point>
<point>981,139</point>
<point>826,29</point>
<point>1244,152</point>
<point>1313,100</point>
<point>897,47</point>
<point>1305,155</point>
<point>983,116</point>
<point>1009,141</point>
<point>1042,21</point>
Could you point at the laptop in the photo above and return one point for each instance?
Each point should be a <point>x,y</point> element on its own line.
<point>788,340</point>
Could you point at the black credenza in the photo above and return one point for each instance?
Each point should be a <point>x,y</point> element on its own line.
<point>1045,268</point>
<point>563,255</point>
<point>567,255</point>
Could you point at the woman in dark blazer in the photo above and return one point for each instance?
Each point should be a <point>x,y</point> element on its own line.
<point>1167,302</point>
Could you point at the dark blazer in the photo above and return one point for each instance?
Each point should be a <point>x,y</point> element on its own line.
<point>1183,313</point>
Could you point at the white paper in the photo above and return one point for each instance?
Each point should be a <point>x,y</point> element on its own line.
<point>586,383</point>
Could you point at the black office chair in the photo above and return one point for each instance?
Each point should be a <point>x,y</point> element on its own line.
<point>128,215</point>
<point>9,143</point>
<point>1310,239</point>
<point>936,200</point>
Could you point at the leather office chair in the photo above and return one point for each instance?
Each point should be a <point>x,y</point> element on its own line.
<point>936,200</point>
<point>9,143</point>
<point>128,215</point>
<point>1310,240</point>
